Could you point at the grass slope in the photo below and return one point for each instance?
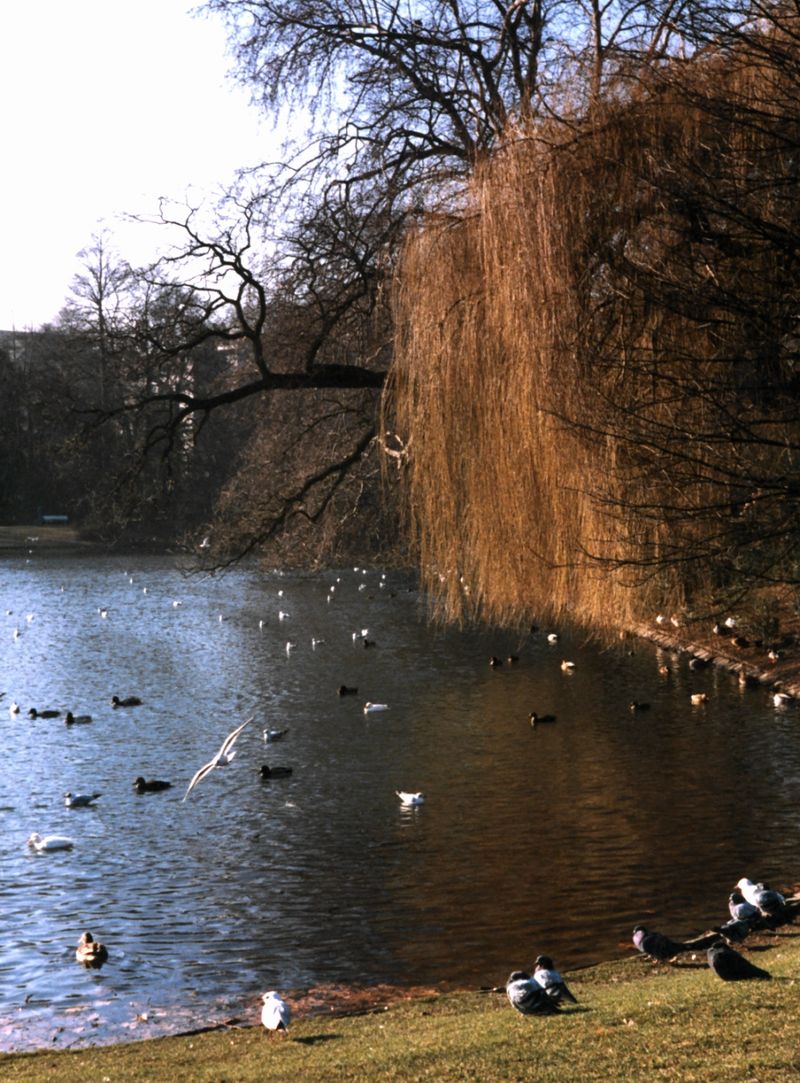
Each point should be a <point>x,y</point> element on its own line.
<point>635,1021</point>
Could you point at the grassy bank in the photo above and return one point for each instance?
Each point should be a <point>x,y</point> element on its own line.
<point>635,1021</point>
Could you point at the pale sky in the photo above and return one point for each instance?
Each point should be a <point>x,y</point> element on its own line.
<point>106,105</point>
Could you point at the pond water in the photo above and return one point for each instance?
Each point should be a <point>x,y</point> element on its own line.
<point>556,839</point>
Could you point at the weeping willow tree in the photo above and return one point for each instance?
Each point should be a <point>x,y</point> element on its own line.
<point>596,374</point>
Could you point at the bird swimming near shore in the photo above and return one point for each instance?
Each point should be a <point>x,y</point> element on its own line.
<point>33,713</point>
<point>221,759</point>
<point>545,973</point>
<point>276,1015</point>
<point>528,996</point>
<point>91,953</point>
<point>731,966</point>
<point>49,843</point>
<point>371,708</point>
<point>77,719</point>
<point>656,945</point>
<point>128,701</point>
<point>80,800</point>
<point>409,799</point>
<point>344,690</point>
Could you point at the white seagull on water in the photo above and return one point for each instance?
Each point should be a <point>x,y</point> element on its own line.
<point>48,843</point>
<point>410,799</point>
<point>371,708</point>
<point>222,758</point>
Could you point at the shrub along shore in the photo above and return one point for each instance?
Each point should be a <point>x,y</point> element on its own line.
<point>635,1020</point>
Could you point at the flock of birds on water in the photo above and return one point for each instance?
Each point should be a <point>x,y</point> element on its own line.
<point>752,906</point>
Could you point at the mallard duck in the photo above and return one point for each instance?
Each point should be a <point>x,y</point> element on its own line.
<point>48,843</point>
<point>128,701</point>
<point>90,952</point>
<point>274,772</point>
<point>153,785</point>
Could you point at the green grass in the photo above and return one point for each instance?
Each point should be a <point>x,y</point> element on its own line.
<point>635,1021</point>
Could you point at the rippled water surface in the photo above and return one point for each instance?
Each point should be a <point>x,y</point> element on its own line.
<point>556,839</point>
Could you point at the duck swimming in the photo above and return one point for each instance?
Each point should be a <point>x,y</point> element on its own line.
<point>343,690</point>
<point>91,953</point>
<point>274,772</point>
<point>128,701</point>
<point>371,708</point>
<point>153,785</point>
<point>77,719</point>
<point>535,718</point>
<point>33,713</point>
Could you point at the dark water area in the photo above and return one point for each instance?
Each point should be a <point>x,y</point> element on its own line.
<point>556,839</point>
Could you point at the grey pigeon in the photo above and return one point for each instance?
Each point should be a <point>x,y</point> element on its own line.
<point>740,909</point>
<point>736,929</point>
<point>656,945</point>
<point>551,981</point>
<point>527,996</point>
<point>731,966</point>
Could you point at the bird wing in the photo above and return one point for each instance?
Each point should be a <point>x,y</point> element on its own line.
<point>201,774</point>
<point>228,742</point>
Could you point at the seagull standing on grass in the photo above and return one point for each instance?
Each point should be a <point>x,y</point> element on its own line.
<point>222,758</point>
<point>275,1014</point>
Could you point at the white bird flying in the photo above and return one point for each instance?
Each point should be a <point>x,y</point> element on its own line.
<point>222,758</point>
